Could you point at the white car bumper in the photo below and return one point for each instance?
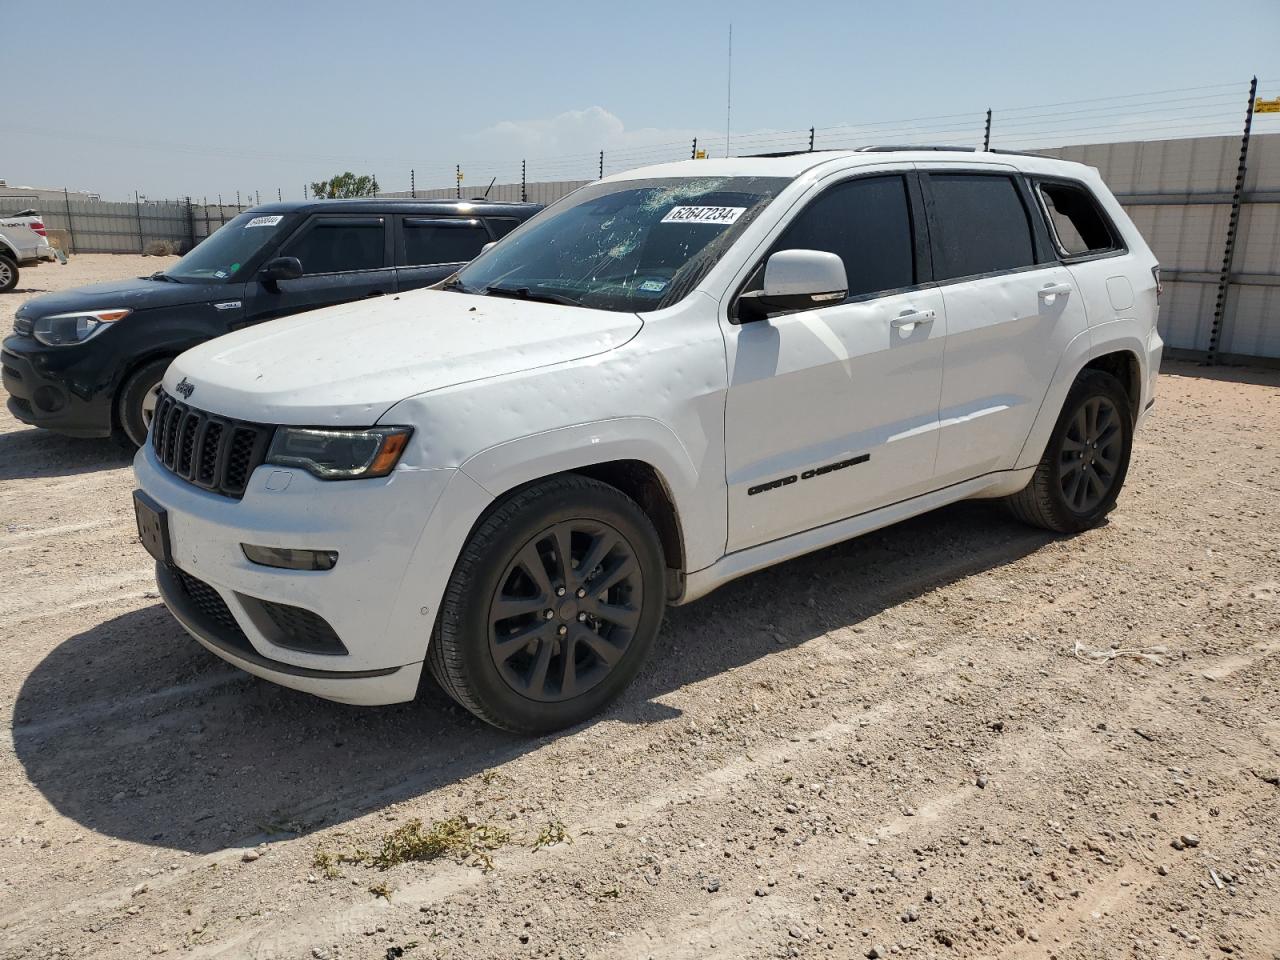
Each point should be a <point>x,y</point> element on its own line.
<point>395,554</point>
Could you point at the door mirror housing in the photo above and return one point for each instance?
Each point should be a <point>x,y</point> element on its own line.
<point>796,280</point>
<point>281,268</point>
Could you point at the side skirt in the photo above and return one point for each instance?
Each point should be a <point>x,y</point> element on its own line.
<point>701,582</point>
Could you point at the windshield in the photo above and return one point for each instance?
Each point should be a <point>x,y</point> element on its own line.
<point>224,253</point>
<point>634,245</point>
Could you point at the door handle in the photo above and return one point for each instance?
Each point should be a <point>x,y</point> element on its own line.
<point>1055,289</point>
<point>912,317</point>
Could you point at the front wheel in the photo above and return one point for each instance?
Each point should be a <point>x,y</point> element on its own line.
<point>553,605</point>
<point>137,401</point>
<point>1084,465</point>
<point>8,274</point>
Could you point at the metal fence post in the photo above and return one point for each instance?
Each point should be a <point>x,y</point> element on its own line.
<point>137,209</point>
<point>601,164</point>
<point>206,215</point>
<point>239,209</point>
<point>413,185</point>
<point>524,193</point>
<point>986,136</point>
<point>191,223</point>
<point>693,153</point>
<point>1233,223</point>
<point>811,132</point>
<point>457,172</point>
<point>71,230</point>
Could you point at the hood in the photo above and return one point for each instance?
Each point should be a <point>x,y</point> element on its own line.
<point>136,294</point>
<point>348,365</point>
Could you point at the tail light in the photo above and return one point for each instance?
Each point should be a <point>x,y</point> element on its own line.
<point>1155,272</point>
<point>38,227</point>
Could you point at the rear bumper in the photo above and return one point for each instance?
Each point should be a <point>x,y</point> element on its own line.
<point>41,400</point>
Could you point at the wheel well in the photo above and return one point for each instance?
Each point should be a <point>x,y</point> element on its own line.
<point>643,484</point>
<point>1124,366</point>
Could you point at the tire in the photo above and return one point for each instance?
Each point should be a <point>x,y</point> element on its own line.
<point>134,398</point>
<point>1085,462</point>
<point>8,274</point>
<point>480,656</point>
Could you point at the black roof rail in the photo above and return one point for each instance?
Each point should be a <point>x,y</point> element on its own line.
<point>896,147</point>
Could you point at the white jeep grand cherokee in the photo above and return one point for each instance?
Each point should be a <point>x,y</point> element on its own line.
<point>668,379</point>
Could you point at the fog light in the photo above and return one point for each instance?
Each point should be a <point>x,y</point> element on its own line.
<point>287,559</point>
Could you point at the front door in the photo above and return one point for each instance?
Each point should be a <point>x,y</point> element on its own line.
<point>832,412</point>
<point>343,258</point>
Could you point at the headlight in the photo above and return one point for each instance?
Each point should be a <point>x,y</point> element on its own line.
<point>339,454</point>
<point>62,329</point>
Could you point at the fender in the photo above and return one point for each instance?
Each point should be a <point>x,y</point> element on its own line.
<point>701,511</point>
<point>1087,345</point>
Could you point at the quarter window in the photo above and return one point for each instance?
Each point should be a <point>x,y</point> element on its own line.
<point>1079,225</point>
<point>441,240</point>
<point>981,225</point>
<point>340,245</point>
<point>867,223</point>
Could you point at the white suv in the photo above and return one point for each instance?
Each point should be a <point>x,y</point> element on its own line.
<point>670,378</point>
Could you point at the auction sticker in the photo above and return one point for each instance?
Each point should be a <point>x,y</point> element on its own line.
<point>264,221</point>
<point>720,215</point>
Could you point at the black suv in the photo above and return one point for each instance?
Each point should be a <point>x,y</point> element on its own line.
<point>88,362</point>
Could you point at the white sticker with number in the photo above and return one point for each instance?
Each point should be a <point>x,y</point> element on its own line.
<point>264,221</point>
<point>717,215</point>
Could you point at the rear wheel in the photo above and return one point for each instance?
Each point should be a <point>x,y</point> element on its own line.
<point>552,607</point>
<point>1084,465</point>
<point>137,403</point>
<point>8,274</point>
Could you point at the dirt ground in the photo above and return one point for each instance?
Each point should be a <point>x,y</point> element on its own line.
<point>889,747</point>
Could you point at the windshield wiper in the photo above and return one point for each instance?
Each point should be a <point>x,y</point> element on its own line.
<point>161,275</point>
<point>524,293</point>
<point>453,283</point>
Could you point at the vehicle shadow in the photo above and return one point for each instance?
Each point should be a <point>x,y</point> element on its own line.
<point>31,452</point>
<point>134,731</point>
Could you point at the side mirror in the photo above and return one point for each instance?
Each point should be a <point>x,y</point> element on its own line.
<point>488,245</point>
<point>281,268</point>
<point>796,280</point>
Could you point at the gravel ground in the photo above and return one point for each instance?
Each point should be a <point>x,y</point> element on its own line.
<point>886,747</point>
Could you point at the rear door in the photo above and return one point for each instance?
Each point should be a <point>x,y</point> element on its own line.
<point>343,257</point>
<point>1011,310</point>
<point>428,249</point>
<point>832,412</point>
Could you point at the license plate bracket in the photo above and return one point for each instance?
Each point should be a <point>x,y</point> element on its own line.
<point>153,527</point>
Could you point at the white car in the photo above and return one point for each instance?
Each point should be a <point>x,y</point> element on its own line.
<point>23,242</point>
<point>668,379</point>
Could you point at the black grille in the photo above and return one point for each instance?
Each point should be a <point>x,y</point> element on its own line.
<point>209,603</point>
<point>296,627</point>
<point>211,452</point>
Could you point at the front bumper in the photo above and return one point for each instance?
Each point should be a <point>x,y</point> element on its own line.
<point>392,538</point>
<point>43,399</point>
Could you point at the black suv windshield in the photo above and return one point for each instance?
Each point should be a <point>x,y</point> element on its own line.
<point>633,245</point>
<point>222,256</point>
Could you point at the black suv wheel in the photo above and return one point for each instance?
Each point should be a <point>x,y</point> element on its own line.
<point>1083,468</point>
<point>552,607</point>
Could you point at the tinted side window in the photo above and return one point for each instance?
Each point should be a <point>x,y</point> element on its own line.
<point>1078,222</point>
<point>339,245</point>
<point>867,223</point>
<point>501,226</point>
<point>442,241</point>
<point>982,226</point>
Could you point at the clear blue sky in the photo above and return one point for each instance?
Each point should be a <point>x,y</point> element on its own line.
<point>180,98</point>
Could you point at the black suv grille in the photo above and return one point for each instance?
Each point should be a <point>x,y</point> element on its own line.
<point>212,452</point>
